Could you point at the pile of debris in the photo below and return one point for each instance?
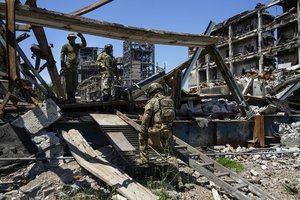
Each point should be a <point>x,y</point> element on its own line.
<point>209,106</point>
<point>290,134</point>
<point>273,169</point>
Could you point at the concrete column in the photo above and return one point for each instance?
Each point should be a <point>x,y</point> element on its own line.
<point>259,32</point>
<point>207,60</point>
<point>230,34</point>
<point>197,75</point>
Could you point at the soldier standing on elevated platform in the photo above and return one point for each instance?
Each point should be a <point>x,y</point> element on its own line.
<point>69,64</point>
<point>108,70</point>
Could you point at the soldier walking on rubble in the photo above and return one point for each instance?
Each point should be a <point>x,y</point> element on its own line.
<point>157,129</point>
<point>69,64</point>
<point>108,70</point>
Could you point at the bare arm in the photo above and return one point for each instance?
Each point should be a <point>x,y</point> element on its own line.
<point>83,41</point>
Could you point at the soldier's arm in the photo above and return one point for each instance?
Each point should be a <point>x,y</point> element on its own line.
<point>99,60</point>
<point>83,41</point>
<point>63,54</point>
<point>146,118</point>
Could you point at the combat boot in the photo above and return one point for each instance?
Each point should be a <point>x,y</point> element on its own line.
<point>143,159</point>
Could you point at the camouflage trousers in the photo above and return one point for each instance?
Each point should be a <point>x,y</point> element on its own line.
<point>165,139</point>
<point>71,82</point>
<point>167,144</point>
<point>107,84</point>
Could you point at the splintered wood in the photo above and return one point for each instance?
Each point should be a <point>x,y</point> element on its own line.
<point>101,168</point>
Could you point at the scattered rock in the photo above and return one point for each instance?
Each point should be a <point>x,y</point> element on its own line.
<point>253,172</point>
<point>263,167</point>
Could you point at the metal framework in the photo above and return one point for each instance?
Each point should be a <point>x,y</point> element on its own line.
<point>138,61</point>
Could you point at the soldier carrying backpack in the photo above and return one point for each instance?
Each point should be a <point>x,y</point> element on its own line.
<point>157,129</point>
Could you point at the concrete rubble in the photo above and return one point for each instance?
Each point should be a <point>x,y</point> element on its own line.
<point>210,106</point>
<point>39,117</point>
<point>274,173</point>
<point>290,134</point>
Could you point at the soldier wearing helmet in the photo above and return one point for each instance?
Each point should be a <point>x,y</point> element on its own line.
<point>157,128</point>
<point>108,71</point>
<point>69,64</point>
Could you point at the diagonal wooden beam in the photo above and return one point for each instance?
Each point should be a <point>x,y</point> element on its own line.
<point>10,52</point>
<point>40,35</point>
<point>52,19</point>
<point>91,7</point>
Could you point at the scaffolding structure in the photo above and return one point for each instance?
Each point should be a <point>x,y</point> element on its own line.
<point>87,65</point>
<point>138,62</point>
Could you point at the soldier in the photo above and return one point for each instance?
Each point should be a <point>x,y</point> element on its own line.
<point>157,128</point>
<point>69,64</point>
<point>108,70</point>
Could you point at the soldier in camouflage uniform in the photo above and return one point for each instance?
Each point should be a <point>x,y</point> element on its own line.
<point>69,64</point>
<point>108,70</point>
<point>157,122</point>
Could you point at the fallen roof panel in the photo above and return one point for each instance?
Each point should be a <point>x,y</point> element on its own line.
<point>57,20</point>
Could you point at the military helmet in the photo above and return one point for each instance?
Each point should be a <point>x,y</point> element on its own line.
<point>107,46</point>
<point>71,35</point>
<point>154,88</point>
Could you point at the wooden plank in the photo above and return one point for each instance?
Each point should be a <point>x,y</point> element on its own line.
<point>108,120</point>
<point>132,123</point>
<point>101,168</point>
<point>52,19</point>
<point>90,8</point>
<point>120,142</point>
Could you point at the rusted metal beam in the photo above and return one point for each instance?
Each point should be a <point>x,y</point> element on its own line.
<point>90,7</point>
<point>259,130</point>
<point>42,17</point>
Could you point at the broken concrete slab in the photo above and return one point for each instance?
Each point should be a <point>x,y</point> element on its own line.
<point>14,143</point>
<point>39,117</point>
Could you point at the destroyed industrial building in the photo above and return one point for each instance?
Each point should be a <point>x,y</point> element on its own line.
<point>236,132</point>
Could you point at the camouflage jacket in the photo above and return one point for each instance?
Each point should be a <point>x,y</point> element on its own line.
<point>69,54</point>
<point>152,116</point>
<point>107,65</point>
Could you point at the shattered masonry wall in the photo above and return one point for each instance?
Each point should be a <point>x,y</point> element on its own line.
<point>250,64</point>
<point>244,26</point>
<point>245,46</point>
<point>278,32</point>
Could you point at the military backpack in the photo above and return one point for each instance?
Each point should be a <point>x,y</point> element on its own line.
<point>167,110</point>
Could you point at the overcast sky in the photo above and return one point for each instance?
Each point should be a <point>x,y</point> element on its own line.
<point>190,16</point>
